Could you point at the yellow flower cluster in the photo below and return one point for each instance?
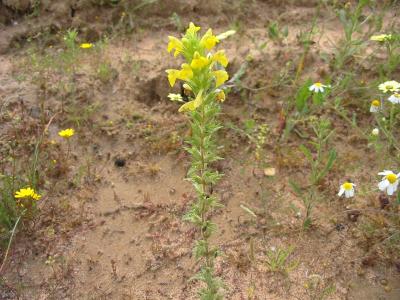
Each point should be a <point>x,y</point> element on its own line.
<point>27,193</point>
<point>201,66</point>
<point>66,133</point>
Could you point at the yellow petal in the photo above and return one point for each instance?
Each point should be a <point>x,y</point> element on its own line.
<point>192,105</point>
<point>199,61</point>
<point>221,58</point>
<point>209,40</point>
<point>172,76</point>
<point>176,44</point>
<point>186,73</point>
<point>221,96</point>
<point>192,29</point>
<point>220,77</point>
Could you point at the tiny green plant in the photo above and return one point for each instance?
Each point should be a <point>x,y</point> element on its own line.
<point>323,160</point>
<point>278,260</point>
<point>203,75</point>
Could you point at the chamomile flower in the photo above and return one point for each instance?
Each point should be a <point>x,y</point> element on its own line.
<point>27,193</point>
<point>175,97</point>
<point>390,86</point>
<point>381,37</point>
<point>86,45</point>
<point>347,189</point>
<point>375,132</point>
<point>395,99</point>
<point>318,87</point>
<point>66,133</point>
<point>389,182</point>
<point>375,106</point>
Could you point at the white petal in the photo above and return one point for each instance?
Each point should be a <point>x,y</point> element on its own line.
<point>348,194</point>
<point>385,172</point>
<point>383,184</point>
<point>311,88</point>
<point>390,189</point>
<point>341,191</point>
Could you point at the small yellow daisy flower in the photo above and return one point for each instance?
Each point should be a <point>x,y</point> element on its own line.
<point>390,86</point>
<point>86,45</point>
<point>390,182</point>
<point>395,99</point>
<point>27,193</point>
<point>318,87</point>
<point>66,133</point>
<point>375,106</point>
<point>347,189</point>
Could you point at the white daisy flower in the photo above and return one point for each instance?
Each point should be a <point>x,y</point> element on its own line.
<point>375,106</point>
<point>347,189</point>
<point>375,132</point>
<point>390,86</point>
<point>318,87</point>
<point>395,99</point>
<point>175,97</point>
<point>389,182</point>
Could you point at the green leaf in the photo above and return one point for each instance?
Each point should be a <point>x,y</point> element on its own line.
<point>302,96</point>
<point>306,152</point>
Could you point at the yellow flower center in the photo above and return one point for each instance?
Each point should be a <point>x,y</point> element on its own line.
<point>389,87</point>
<point>375,103</point>
<point>391,178</point>
<point>347,186</point>
<point>397,96</point>
<point>318,84</point>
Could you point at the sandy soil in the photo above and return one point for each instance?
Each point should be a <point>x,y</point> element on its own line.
<point>116,232</point>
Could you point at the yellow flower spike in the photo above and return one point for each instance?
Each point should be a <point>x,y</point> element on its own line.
<point>199,61</point>
<point>221,96</point>
<point>173,75</point>
<point>86,45</point>
<point>186,73</point>
<point>192,29</point>
<point>176,44</point>
<point>66,133</point>
<point>220,77</point>
<point>221,58</point>
<point>192,105</point>
<point>209,40</point>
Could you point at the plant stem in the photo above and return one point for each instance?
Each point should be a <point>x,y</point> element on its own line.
<point>9,242</point>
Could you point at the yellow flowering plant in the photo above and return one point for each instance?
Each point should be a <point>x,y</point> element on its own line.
<point>203,75</point>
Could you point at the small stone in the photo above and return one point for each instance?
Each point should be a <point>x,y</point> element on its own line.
<point>384,282</point>
<point>269,172</point>
<point>383,200</point>
<point>120,162</point>
<point>353,215</point>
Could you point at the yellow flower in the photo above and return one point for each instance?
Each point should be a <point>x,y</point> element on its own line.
<point>27,193</point>
<point>199,61</point>
<point>66,133</point>
<point>381,37</point>
<point>176,44</point>
<point>86,45</point>
<point>192,29</point>
<point>192,105</point>
<point>186,73</point>
<point>220,77</point>
<point>221,58</point>
<point>172,76</point>
<point>209,40</point>
<point>221,96</point>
